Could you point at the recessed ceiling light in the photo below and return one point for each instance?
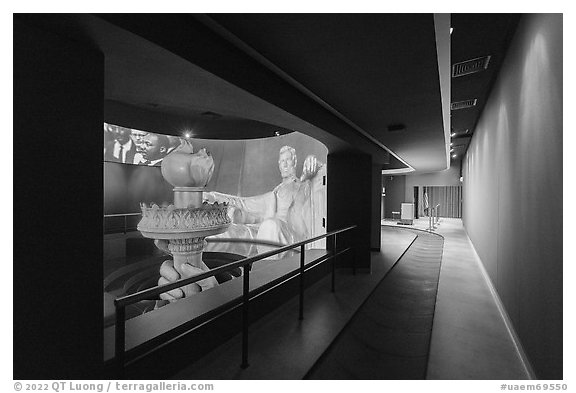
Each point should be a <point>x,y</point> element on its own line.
<point>187,134</point>
<point>277,133</point>
<point>451,30</point>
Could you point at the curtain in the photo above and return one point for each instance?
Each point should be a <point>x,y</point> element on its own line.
<point>448,197</point>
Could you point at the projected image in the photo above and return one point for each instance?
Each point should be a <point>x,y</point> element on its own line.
<point>262,193</point>
<point>131,146</point>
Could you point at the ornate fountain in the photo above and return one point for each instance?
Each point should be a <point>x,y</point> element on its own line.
<point>184,225</point>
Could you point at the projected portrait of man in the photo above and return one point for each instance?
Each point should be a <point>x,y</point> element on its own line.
<point>138,139</point>
<point>118,145</point>
<point>155,148</point>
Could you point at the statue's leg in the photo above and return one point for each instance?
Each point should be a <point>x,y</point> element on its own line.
<point>274,230</point>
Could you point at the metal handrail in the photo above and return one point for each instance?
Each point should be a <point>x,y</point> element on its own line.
<point>122,302</point>
<point>433,217</point>
<point>125,215</point>
<point>121,215</point>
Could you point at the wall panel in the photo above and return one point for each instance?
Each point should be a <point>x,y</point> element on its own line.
<point>513,189</point>
<point>57,286</point>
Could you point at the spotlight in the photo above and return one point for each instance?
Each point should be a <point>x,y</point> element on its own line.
<point>453,134</point>
<point>453,155</point>
<point>277,133</point>
<point>187,134</point>
<point>451,143</point>
<point>451,30</point>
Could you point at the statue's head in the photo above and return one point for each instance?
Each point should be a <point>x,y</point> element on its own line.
<point>287,161</point>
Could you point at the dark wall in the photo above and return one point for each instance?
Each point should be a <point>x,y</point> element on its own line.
<point>382,198</point>
<point>513,189</point>
<point>395,189</point>
<point>58,94</point>
<point>376,206</point>
<point>349,203</point>
<point>126,186</point>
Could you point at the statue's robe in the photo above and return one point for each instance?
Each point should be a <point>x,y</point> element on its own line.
<point>279,216</point>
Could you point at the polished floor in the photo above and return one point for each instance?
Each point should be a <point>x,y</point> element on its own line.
<point>281,346</point>
<point>389,336</point>
<point>470,338</point>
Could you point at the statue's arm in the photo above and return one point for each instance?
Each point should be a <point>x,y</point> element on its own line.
<point>213,196</point>
<point>261,206</point>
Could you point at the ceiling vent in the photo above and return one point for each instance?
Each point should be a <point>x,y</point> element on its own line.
<point>463,104</point>
<point>470,66</point>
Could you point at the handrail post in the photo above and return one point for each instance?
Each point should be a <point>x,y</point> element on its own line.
<point>122,302</point>
<point>334,263</point>
<point>302,259</point>
<point>245,322</point>
<point>120,339</point>
<point>354,260</point>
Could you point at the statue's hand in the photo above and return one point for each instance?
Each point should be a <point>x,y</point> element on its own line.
<point>169,274</point>
<point>310,167</point>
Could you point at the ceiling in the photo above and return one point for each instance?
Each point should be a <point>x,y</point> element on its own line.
<point>377,70</point>
<point>362,81</point>
<point>474,36</point>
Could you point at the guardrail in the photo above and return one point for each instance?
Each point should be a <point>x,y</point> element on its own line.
<point>433,217</point>
<point>123,227</point>
<point>122,302</point>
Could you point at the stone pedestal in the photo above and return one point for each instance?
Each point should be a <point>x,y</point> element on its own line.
<point>180,229</point>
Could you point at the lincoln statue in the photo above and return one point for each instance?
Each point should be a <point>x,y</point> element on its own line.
<point>280,216</point>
